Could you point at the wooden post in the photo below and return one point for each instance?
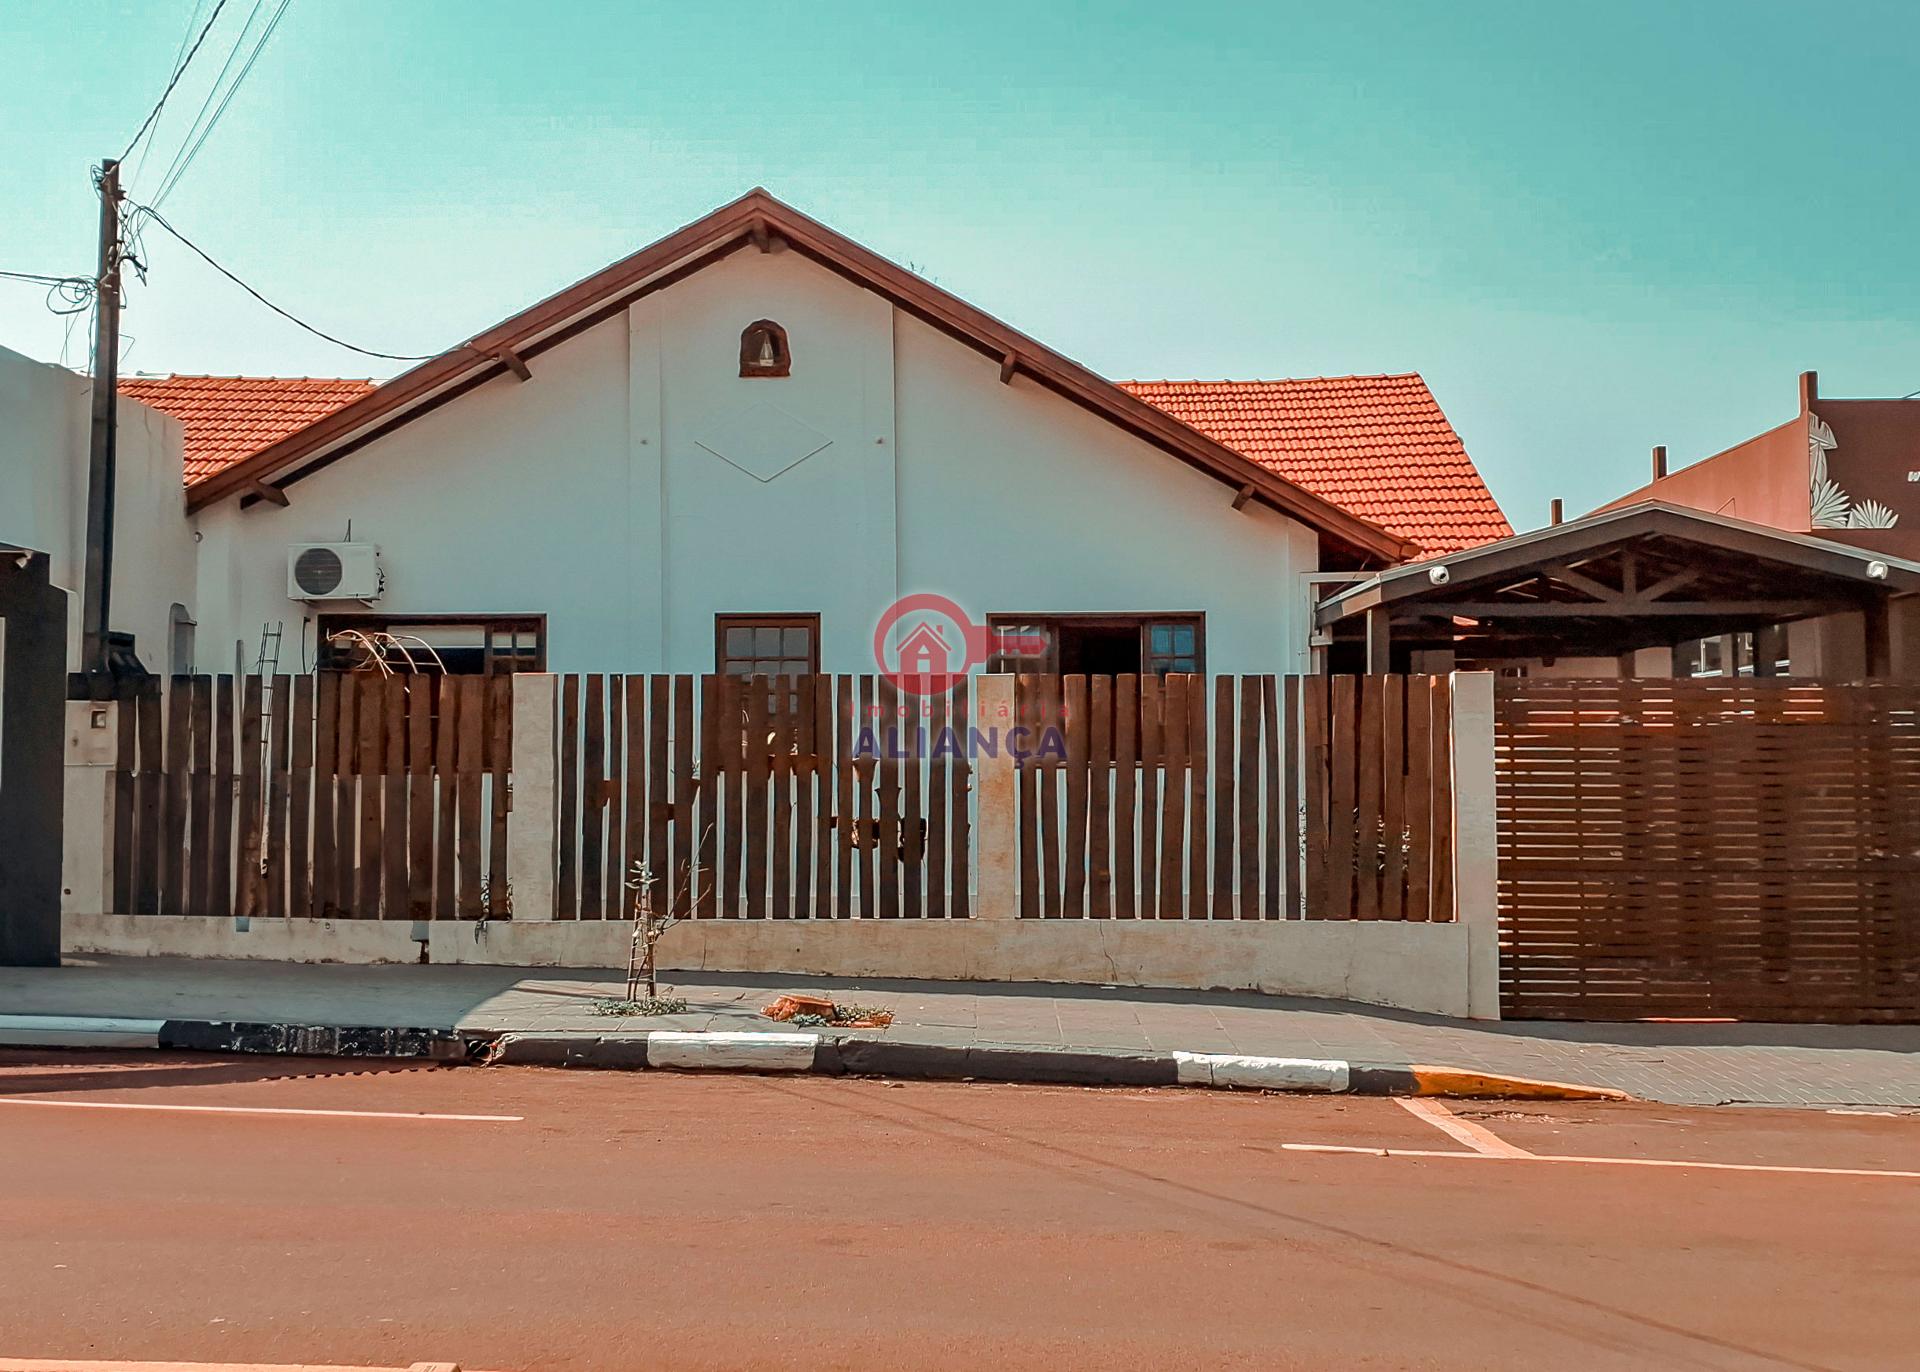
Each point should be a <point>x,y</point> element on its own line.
<point>1879,635</point>
<point>96,591</point>
<point>533,838</point>
<point>1379,642</point>
<point>1475,834</point>
<point>995,894</point>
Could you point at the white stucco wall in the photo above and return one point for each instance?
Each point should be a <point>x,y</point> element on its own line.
<point>45,422</point>
<point>594,494</point>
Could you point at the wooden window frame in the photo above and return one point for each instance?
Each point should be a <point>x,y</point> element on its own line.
<point>783,353</point>
<point>802,620</point>
<point>332,623</point>
<point>1143,622</point>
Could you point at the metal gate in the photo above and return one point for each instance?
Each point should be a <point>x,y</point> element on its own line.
<point>1745,849</point>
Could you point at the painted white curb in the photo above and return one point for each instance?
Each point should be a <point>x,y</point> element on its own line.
<point>78,1031</point>
<point>743,1051</point>
<point>1261,1074</point>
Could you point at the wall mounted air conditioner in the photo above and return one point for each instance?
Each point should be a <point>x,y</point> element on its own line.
<point>334,571</point>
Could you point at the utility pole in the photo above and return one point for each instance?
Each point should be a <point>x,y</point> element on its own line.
<point>101,445</point>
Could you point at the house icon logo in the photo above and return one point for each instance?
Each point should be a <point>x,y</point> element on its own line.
<point>926,644</point>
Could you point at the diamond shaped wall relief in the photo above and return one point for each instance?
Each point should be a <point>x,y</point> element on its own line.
<point>762,440</point>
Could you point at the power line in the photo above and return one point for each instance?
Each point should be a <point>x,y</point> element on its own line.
<point>178,71</point>
<point>65,294</point>
<point>190,149</point>
<point>142,213</point>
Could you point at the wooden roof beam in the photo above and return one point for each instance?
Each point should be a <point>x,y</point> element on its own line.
<point>273,495</point>
<point>513,362</point>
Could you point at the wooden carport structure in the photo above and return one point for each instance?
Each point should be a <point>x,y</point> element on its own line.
<point>1647,576</point>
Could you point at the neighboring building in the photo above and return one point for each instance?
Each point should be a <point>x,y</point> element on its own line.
<point>735,448</point>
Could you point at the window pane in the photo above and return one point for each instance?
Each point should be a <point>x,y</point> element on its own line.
<point>766,640</point>
<point>794,642</point>
<point>1182,638</point>
<point>739,642</point>
<point>1162,638</point>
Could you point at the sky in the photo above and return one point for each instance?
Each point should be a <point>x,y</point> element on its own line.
<point>1592,229</point>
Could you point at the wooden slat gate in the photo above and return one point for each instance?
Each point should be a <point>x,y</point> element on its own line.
<point>763,798</point>
<point>1745,849</point>
<point>332,796</point>
<point>1235,797</point>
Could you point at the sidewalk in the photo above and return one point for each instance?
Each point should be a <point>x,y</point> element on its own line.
<point>1798,1065</point>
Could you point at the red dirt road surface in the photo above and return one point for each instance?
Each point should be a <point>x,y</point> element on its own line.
<point>625,1220</point>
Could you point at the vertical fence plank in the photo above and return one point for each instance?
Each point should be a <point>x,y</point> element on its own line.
<point>299,826</point>
<point>1419,798</point>
<point>200,796</point>
<point>1073,715</point>
<point>1247,831</point>
<point>1343,764</point>
<point>634,774</point>
<point>683,735</point>
<point>469,763</point>
<point>1393,815</point>
<point>373,692</point>
<point>1050,736</point>
<point>804,772</point>
<point>1367,844</point>
<point>1152,762</point>
<point>960,839</point>
<point>238,874</point>
<point>887,799</point>
<point>1224,796</point>
<point>446,751</point>
<point>326,723</point>
<point>780,727</point>
<point>1316,705</point>
<point>1287,890</point>
<point>593,799</point>
<point>615,786</point>
<point>221,886</point>
<point>1099,736</point>
<point>1173,810</point>
<point>1027,803</point>
<point>150,840</point>
<point>1126,786</point>
<point>346,828</point>
<point>1197,798</point>
<point>393,783</point>
<point>731,835</point>
<point>1442,791</point>
<point>126,743</point>
<point>824,771</point>
<point>759,688</point>
<point>1279,811</point>
<point>179,752</point>
<point>938,727</point>
<point>846,818</point>
<point>659,793</point>
<point>912,760</point>
<point>420,696</point>
<point>278,831</point>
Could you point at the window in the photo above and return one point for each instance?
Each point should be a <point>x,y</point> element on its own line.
<point>459,645</point>
<point>763,350</point>
<point>766,645</point>
<point>1108,645</point>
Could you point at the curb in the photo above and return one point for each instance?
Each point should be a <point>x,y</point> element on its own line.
<point>846,1055</point>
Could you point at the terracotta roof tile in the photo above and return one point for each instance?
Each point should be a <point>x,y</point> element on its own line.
<point>1377,446</point>
<point>231,417</point>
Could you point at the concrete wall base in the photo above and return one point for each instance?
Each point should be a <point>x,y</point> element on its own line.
<point>1411,966</point>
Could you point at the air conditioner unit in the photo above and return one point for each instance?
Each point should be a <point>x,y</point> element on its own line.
<point>334,571</point>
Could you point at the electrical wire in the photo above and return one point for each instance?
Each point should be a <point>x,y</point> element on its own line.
<point>140,215</point>
<point>179,70</point>
<point>179,51</point>
<point>65,294</point>
<point>191,148</point>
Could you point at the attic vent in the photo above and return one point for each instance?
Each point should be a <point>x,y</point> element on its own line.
<point>763,350</point>
<point>317,571</point>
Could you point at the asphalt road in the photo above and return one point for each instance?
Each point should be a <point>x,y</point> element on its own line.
<point>636,1220</point>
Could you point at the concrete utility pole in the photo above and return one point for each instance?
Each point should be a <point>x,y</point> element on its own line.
<point>101,445</point>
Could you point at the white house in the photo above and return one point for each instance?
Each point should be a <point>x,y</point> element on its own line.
<point>738,447</point>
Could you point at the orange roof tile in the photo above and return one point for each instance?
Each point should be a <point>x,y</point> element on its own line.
<point>1377,446</point>
<point>231,417</point>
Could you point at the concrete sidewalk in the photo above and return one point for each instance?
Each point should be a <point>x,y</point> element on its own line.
<point>1796,1065</point>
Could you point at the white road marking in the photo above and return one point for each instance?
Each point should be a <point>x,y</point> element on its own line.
<point>1599,1162</point>
<point>1477,1137</point>
<point>257,1110</point>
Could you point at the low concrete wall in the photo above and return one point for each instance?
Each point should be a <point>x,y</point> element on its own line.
<point>1411,966</point>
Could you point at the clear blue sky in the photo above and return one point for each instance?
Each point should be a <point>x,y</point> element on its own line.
<point>1592,229</point>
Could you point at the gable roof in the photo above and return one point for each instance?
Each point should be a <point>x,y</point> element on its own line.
<point>758,220</point>
<point>1379,446</point>
<point>229,418</point>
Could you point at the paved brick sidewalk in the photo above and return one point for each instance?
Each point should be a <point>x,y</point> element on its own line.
<point>1681,1063</point>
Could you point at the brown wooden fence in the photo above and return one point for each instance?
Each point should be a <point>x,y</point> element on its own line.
<point>750,798</point>
<point>333,796</point>
<point>1249,797</point>
<point>1745,849</point>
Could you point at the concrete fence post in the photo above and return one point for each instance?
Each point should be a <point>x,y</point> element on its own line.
<point>1475,837</point>
<point>92,744</point>
<point>995,840</point>
<point>533,825</point>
